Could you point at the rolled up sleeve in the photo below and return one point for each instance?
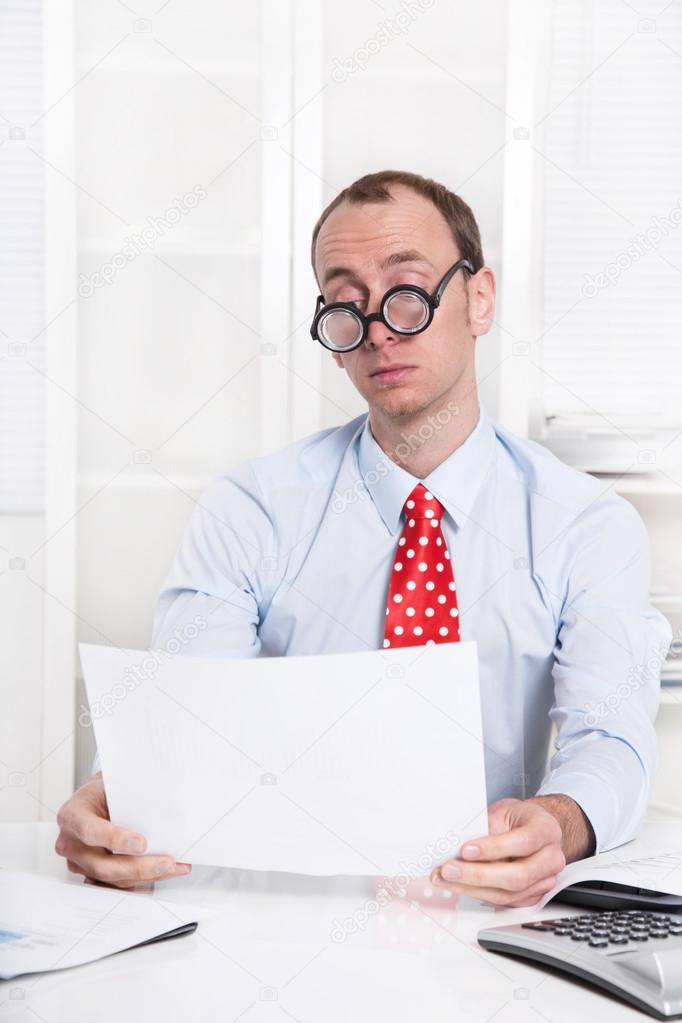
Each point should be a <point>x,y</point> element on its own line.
<point>211,601</point>
<point>611,644</point>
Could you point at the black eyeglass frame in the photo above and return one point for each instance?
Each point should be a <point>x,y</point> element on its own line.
<point>431,301</point>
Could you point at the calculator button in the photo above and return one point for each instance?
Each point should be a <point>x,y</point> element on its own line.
<point>537,926</point>
<point>619,939</point>
<point>598,942</point>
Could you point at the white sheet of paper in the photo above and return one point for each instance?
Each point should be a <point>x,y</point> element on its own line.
<point>652,861</point>
<point>358,763</point>
<point>50,925</point>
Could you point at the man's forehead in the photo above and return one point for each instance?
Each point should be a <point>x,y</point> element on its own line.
<point>407,228</point>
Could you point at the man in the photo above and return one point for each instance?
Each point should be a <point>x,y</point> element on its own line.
<point>319,549</point>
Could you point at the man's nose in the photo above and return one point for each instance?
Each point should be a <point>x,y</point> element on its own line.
<point>379,333</point>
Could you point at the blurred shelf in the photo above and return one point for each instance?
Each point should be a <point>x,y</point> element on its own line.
<point>141,64</point>
<point>473,76</point>
<point>145,481</point>
<point>186,247</point>
<point>644,486</point>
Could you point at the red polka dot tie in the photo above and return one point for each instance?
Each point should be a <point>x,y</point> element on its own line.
<point>422,600</point>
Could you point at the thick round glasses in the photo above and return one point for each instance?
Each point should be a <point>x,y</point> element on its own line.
<point>405,309</point>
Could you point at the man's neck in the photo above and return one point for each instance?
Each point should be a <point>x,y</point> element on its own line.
<point>420,442</point>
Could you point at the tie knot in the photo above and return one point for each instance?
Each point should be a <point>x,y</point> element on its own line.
<point>421,504</point>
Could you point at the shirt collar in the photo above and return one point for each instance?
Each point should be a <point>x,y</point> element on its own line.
<point>455,482</point>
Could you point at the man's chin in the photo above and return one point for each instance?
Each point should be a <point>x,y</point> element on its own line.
<point>400,404</point>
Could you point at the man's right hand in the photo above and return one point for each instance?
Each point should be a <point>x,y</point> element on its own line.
<point>89,840</point>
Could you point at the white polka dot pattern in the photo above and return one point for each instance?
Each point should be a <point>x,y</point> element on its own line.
<point>421,606</point>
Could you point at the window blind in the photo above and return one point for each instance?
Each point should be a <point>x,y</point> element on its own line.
<point>613,213</point>
<point>22,266</point>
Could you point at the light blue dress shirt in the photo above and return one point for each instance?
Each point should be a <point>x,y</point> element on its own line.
<point>291,553</point>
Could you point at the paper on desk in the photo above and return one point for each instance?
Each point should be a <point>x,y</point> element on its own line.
<point>357,763</point>
<point>646,862</point>
<point>50,925</point>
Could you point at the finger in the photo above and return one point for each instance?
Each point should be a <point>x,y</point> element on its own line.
<point>120,869</point>
<point>531,897</point>
<point>500,896</point>
<point>523,840</point>
<point>511,875</point>
<point>76,818</point>
<point>146,886</point>
<point>178,870</point>
<point>145,867</point>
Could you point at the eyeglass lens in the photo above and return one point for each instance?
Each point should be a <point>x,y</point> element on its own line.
<point>340,328</point>
<point>406,311</point>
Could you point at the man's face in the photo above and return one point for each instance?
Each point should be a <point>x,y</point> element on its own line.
<point>361,252</point>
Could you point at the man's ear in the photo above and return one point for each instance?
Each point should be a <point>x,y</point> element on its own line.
<point>481,301</point>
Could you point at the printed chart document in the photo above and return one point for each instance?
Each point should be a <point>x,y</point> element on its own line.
<point>50,925</point>
<point>652,861</point>
<point>357,763</point>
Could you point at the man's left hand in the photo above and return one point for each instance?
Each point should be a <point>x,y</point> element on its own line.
<point>530,841</point>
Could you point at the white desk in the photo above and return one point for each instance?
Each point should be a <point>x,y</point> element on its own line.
<point>269,957</point>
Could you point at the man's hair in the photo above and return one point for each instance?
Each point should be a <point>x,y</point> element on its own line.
<point>376,188</point>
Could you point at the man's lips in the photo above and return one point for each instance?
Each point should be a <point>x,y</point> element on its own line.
<point>390,369</point>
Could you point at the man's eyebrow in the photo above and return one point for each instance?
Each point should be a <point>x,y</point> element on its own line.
<point>395,259</point>
<point>407,256</point>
